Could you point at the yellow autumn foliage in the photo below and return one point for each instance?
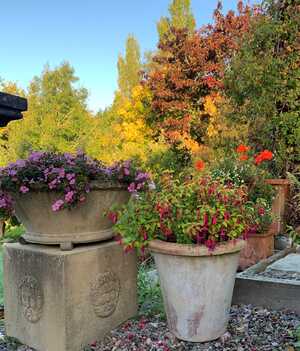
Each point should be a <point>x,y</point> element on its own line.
<point>126,135</point>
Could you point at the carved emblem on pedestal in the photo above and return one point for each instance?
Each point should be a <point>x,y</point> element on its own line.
<point>31,298</point>
<point>105,291</point>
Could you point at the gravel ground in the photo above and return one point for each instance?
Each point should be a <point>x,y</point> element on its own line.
<point>250,329</point>
<point>280,275</point>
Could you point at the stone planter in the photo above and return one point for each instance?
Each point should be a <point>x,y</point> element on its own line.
<point>82,224</point>
<point>279,203</point>
<point>197,287</point>
<point>258,247</point>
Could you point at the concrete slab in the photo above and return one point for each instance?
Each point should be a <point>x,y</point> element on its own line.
<point>290,263</point>
<point>274,293</point>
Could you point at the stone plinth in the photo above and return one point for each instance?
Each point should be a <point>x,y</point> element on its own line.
<point>63,300</point>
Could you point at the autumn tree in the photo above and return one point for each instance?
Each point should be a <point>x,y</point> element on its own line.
<point>129,67</point>
<point>189,68</point>
<point>180,16</point>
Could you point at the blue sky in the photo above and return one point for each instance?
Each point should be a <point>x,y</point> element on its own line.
<point>89,34</point>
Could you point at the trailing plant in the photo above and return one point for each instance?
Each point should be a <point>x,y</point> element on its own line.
<point>69,175</point>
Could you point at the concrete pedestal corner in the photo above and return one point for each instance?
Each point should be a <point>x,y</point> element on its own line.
<point>63,300</point>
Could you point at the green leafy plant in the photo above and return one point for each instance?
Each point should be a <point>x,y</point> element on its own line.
<point>293,206</point>
<point>194,210</point>
<point>243,168</point>
<point>149,292</point>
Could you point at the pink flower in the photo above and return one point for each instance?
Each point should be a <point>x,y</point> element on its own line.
<point>131,188</point>
<point>210,244</point>
<point>261,211</point>
<point>113,217</point>
<point>57,205</point>
<point>214,220</point>
<point>69,196</point>
<point>24,189</point>
<point>226,216</point>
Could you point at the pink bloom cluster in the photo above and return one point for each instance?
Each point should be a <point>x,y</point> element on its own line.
<point>67,174</point>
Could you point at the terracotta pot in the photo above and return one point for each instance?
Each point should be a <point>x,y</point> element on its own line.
<point>279,203</point>
<point>84,223</point>
<point>197,286</point>
<point>258,247</point>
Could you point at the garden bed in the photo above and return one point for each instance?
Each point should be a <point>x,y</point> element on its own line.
<point>273,283</point>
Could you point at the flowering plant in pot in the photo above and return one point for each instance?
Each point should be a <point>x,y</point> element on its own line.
<point>61,198</point>
<point>195,229</point>
<point>243,167</point>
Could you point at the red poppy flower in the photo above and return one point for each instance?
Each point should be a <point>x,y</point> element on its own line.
<point>244,157</point>
<point>265,155</point>
<point>242,148</point>
<point>199,165</point>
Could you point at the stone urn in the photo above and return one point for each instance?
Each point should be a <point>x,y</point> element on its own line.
<point>84,223</point>
<point>281,187</point>
<point>258,247</point>
<point>197,286</point>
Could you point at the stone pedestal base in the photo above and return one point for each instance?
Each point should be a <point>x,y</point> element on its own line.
<point>63,300</point>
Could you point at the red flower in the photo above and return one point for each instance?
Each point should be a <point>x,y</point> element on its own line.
<point>226,216</point>
<point>261,211</point>
<point>242,148</point>
<point>205,220</point>
<point>199,165</point>
<point>210,244</point>
<point>214,220</point>
<point>244,157</point>
<point>265,155</point>
<point>113,217</point>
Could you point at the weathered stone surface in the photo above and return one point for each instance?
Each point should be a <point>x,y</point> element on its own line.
<point>63,300</point>
<point>290,263</point>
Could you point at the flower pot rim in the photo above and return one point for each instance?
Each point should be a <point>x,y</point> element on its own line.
<point>167,248</point>
<point>269,232</point>
<point>278,181</point>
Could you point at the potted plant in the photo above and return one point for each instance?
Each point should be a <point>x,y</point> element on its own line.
<point>194,228</point>
<point>244,168</point>
<point>60,198</point>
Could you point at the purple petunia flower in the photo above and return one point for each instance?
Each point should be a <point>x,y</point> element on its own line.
<point>23,189</point>
<point>69,196</point>
<point>57,205</point>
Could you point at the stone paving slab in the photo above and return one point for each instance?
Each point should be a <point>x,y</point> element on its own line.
<point>290,263</point>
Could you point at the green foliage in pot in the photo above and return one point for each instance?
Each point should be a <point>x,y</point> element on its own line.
<point>187,210</point>
<point>243,168</point>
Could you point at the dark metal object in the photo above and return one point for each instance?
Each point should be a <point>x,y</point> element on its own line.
<point>11,108</point>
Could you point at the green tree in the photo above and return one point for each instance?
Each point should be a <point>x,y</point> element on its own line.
<point>181,16</point>
<point>264,86</point>
<point>129,67</point>
<point>57,118</point>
